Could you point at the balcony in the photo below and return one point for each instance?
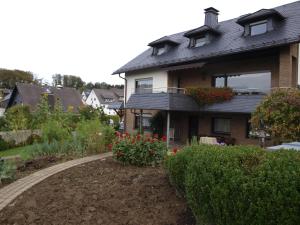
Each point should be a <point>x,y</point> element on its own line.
<point>175,99</point>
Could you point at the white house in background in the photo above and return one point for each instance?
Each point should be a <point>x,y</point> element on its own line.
<point>5,96</point>
<point>85,94</point>
<point>105,97</point>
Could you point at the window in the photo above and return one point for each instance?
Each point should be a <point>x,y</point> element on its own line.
<point>146,121</point>
<point>144,85</point>
<point>255,83</point>
<point>258,28</point>
<point>221,126</point>
<point>108,100</point>
<point>160,51</point>
<point>200,42</point>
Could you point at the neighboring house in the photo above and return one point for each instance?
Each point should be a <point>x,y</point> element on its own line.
<point>85,94</point>
<point>30,94</point>
<point>104,98</point>
<point>3,103</point>
<point>251,54</point>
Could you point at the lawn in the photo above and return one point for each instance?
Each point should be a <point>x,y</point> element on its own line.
<point>21,151</point>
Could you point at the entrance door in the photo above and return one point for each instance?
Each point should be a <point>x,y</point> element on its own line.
<point>193,126</point>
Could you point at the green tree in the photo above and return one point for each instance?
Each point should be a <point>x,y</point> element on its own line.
<point>72,81</point>
<point>279,115</point>
<point>42,112</point>
<point>9,78</point>
<point>18,117</point>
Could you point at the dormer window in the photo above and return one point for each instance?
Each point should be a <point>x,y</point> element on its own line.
<point>260,22</point>
<point>159,51</point>
<point>258,28</point>
<point>162,45</point>
<point>200,41</point>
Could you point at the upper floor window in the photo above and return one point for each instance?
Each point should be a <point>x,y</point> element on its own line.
<point>254,83</point>
<point>258,28</point>
<point>144,85</point>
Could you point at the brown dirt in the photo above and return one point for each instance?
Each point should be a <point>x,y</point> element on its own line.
<point>101,192</point>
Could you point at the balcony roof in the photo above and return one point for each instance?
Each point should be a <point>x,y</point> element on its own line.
<point>180,102</point>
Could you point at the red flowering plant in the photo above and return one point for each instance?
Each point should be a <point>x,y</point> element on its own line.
<point>139,150</point>
<point>210,95</point>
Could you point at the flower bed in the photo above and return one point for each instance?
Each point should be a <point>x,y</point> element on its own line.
<point>205,96</point>
<point>139,150</point>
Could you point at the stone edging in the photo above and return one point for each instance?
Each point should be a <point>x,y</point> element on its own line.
<point>13,190</point>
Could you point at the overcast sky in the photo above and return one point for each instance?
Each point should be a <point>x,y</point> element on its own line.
<point>92,38</point>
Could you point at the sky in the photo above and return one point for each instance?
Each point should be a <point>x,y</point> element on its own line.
<point>93,38</point>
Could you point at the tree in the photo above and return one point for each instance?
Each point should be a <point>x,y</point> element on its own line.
<point>9,78</point>
<point>279,114</point>
<point>18,117</point>
<point>72,81</point>
<point>42,112</point>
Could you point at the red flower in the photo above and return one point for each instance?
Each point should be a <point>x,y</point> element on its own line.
<point>109,146</point>
<point>118,134</point>
<point>138,137</point>
<point>155,135</point>
<point>174,150</point>
<point>164,138</point>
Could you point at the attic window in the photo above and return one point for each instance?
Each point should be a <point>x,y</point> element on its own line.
<point>258,28</point>
<point>108,100</point>
<point>200,41</point>
<point>159,50</point>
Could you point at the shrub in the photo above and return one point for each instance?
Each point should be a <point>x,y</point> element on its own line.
<point>7,171</point>
<point>279,114</point>
<point>94,135</point>
<point>210,95</point>
<point>138,149</point>
<point>18,117</point>
<point>54,131</point>
<point>239,185</point>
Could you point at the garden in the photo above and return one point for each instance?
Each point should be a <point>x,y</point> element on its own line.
<point>55,136</point>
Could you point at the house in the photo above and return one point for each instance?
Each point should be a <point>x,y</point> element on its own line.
<point>4,101</point>
<point>30,94</point>
<point>85,94</point>
<point>251,54</point>
<point>109,99</point>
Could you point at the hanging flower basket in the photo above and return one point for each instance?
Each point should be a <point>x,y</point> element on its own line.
<point>206,96</point>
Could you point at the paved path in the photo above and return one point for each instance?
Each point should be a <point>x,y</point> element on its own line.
<point>13,190</point>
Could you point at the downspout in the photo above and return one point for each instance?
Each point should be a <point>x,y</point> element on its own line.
<point>125,100</point>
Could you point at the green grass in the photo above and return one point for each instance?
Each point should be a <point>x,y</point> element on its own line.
<point>21,151</point>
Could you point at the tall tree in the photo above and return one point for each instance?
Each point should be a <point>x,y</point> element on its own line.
<point>9,78</point>
<point>72,81</point>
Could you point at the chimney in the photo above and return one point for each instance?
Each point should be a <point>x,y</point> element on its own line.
<point>211,17</point>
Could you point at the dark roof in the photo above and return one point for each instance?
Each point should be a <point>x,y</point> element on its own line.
<point>231,41</point>
<point>201,30</point>
<point>163,40</point>
<point>118,91</point>
<point>162,101</point>
<point>31,94</point>
<point>259,15</point>
<point>238,104</point>
<point>116,105</point>
<point>180,102</point>
<point>104,93</point>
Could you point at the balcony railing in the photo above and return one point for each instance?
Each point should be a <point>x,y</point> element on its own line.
<point>159,90</point>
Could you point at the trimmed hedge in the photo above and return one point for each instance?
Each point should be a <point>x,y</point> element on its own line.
<point>238,185</point>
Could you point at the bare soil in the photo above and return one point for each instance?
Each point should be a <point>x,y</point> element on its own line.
<point>101,192</point>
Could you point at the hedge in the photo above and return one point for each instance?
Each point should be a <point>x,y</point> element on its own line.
<point>239,185</point>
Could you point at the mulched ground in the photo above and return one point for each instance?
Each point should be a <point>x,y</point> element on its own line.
<point>101,192</point>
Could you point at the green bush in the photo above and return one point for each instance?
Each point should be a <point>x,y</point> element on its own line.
<point>18,117</point>
<point>139,150</point>
<point>239,185</point>
<point>94,135</point>
<point>7,171</point>
<point>53,130</point>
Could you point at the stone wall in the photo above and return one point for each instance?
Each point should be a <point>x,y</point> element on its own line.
<point>19,136</point>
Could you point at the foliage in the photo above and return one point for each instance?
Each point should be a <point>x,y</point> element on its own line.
<point>3,124</point>
<point>3,144</point>
<point>53,130</point>
<point>94,136</point>
<point>210,95</point>
<point>42,112</point>
<point>9,78</point>
<point>87,112</point>
<point>157,122</point>
<point>279,113</point>
<point>7,170</point>
<point>238,185</point>
<point>18,117</point>
<point>139,150</point>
